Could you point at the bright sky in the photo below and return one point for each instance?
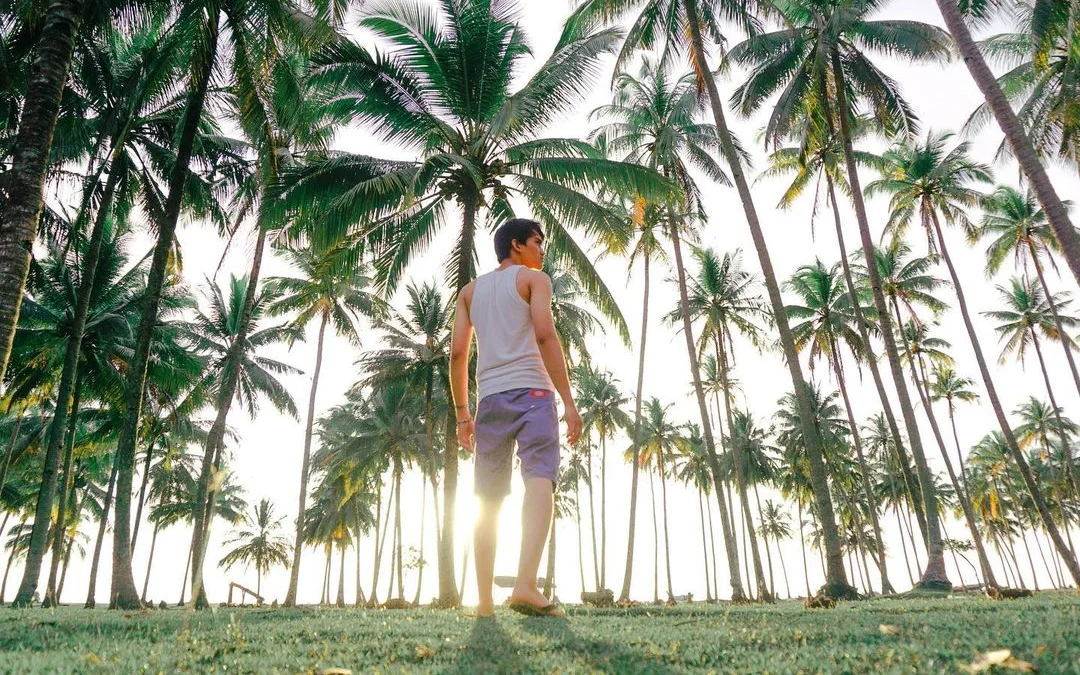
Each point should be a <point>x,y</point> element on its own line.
<point>267,456</point>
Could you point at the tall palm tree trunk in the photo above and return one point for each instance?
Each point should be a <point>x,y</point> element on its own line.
<point>1041,275</point>
<point>341,575</point>
<point>150,561</point>
<point>712,549</point>
<point>592,520</point>
<point>737,592</point>
<point>656,540</point>
<point>765,539</point>
<point>305,468</point>
<point>215,439</point>
<point>704,547</point>
<point>358,598</point>
<point>635,468</point>
<point>934,574</point>
<point>879,383</point>
<point>380,545</point>
<point>738,460</point>
<point>580,544</point>
<point>802,544</point>
<point>70,545</point>
<point>145,484</point>
<point>864,473</point>
<point>667,538</point>
<point>923,387</point>
<point>603,511</point>
<point>123,594</point>
<point>103,525</point>
<point>65,496</point>
<point>999,413</point>
<point>68,384</point>
<point>420,549</point>
<point>26,179</point>
<point>398,537</point>
<point>835,576</point>
<point>448,593</point>
<point>1021,145</point>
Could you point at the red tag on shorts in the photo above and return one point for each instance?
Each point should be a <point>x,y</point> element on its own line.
<point>539,393</point>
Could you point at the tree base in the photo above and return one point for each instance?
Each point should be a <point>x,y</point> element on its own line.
<point>934,585</point>
<point>839,591</point>
<point>124,603</point>
<point>1008,593</point>
<point>446,604</point>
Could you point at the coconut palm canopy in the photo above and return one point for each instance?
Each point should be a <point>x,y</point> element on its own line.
<point>244,230</point>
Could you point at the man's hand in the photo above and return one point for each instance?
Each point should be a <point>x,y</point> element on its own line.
<point>573,425</point>
<point>465,432</point>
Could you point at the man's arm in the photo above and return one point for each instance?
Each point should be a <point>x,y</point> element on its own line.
<point>551,351</point>
<point>460,345</point>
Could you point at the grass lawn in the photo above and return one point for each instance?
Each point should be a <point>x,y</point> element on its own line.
<point>936,635</point>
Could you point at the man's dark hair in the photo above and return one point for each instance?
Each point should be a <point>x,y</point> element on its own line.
<point>515,229</point>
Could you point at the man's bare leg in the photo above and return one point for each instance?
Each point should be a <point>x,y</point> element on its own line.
<point>484,535</point>
<point>535,523</point>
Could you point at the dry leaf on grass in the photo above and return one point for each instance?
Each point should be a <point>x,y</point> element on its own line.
<point>335,671</point>
<point>886,629</point>
<point>424,652</point>
<point>999,657</point>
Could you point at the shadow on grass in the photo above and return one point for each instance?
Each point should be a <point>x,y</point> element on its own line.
<point>490,650</point>
<point>599,655</point>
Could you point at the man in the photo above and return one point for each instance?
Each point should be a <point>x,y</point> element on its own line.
<point>520,367</point>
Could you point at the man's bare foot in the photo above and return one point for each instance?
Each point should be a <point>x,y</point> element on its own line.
<point>485,609</point>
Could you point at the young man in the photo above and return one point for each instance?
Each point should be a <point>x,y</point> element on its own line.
<point>520,367</point>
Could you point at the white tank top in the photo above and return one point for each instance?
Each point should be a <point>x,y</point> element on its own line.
<point>507,354</point>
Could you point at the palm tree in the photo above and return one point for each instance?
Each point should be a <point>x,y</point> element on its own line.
<point>1037,420</point>
<point>1041,73</point>
<point>661,442</point>
<point>655,122</point>
<point>724,297</point>
<point>647,248</point>
<point>217,333</point>
<point>41,348</point>
<point>417,349</point>
<point>256,33</point>
<point>795,481</point>
<point>1028,313</point>
<point>680,26</point>
<point>37,122</point>
<point>927,182</point>
<point>480,144</point>
<point>129,92</point>
<point>331,290</point>
<point>603,410</point>
<point>826,63</point>
<point>258,546</point>
<point>694,468</point>
<point>775,524</point>
<point>1022,147</point>
<point>1017,227</point>
<point>818,157</point>
<point>826,316</point>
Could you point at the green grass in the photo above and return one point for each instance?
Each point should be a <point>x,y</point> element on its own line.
<point>936,636</point>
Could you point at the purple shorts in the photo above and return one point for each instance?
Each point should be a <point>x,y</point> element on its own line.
<point>527,416</point>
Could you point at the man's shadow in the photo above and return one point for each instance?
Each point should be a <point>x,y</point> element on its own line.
<point>599,655</point>
<point>490,650</point>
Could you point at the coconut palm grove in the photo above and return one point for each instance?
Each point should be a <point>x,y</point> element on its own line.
<point>814,272</point>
